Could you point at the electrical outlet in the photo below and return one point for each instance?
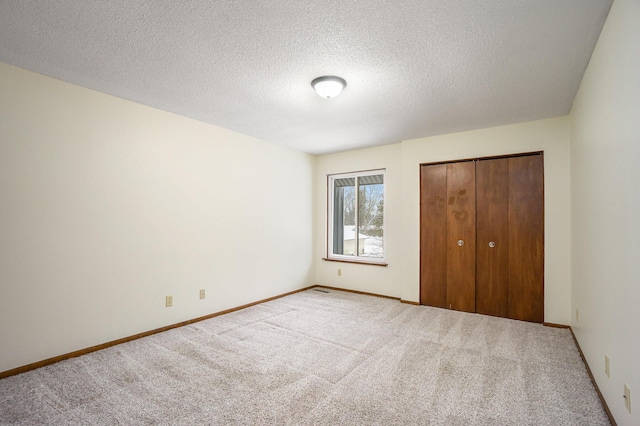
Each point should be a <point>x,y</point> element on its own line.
<point>627,397</point>
<point>169,301</point>
<point>607,366</point>
<point>202,294</point>
<point>339,272</point>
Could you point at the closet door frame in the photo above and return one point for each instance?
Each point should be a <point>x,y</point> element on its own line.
<point>424,234</point>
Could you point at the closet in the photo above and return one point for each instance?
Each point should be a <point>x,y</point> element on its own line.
<point>482,236</point>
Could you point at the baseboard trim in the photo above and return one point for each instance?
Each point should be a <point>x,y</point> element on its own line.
<point>366,293</point>
<point>593,380</point>
<point>554,325</point>
<point>80,352</point>
<point>586,365</point>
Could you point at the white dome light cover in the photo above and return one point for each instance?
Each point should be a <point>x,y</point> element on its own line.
<point>328,86</point>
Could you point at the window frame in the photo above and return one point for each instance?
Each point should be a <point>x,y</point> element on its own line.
<point>330,256</point>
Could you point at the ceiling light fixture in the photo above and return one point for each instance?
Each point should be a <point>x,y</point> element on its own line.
<point>328,86</point>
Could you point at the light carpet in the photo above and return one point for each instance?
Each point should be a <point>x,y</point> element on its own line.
<point>316,358</point>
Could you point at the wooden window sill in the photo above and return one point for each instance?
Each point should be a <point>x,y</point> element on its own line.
<point>356,262</point>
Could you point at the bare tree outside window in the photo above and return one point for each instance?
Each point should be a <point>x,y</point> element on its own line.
<point>370,218</point>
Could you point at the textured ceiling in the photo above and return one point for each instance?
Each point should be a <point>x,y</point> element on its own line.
<point>413,68</point>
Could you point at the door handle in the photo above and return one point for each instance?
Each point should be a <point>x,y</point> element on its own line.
<point>492,244</point>
<point>460,243</point>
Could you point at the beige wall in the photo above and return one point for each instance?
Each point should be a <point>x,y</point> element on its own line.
<point>402,221</point>
<point>605,206</point>
<point>107,206</point>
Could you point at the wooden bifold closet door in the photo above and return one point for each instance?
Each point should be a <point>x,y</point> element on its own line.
<point>482,236</point>
<point>493,237</point>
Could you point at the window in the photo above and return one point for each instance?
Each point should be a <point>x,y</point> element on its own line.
<point>356,217</point>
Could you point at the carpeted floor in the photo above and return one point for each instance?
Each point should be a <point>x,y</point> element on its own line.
<point>320,358</point>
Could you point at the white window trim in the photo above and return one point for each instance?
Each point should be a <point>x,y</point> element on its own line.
<point>329,236</point>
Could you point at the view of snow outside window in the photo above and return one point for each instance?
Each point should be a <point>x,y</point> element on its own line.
<point>358,204</point>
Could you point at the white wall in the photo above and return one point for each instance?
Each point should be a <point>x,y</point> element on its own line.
<point>107,206</point>
<point>605,206</point>
<point>402,207</point>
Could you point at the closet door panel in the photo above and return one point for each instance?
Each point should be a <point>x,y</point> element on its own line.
<point>526,238</point>
<point>461,236</point>
<point>492,193</point>
<point>433,235</point>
